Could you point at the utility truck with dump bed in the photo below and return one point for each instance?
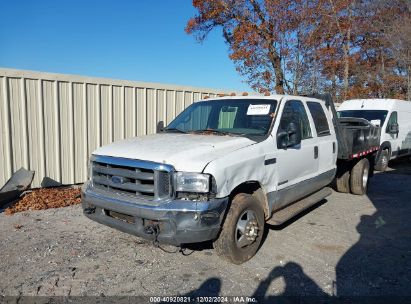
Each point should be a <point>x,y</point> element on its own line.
<point>394,118</point>
<point>225,167</point>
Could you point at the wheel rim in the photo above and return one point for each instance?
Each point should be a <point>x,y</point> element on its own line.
<point>384,161</point>
<point>365,177</point>
<point>246,231</point>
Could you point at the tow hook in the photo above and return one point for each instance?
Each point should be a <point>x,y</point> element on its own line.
<point>155,230</point>
<point>90,210</point>
<point>152,229</point>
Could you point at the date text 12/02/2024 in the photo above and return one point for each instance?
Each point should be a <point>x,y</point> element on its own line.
<point>202,299</point>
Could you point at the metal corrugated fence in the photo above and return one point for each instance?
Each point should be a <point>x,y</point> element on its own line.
<point>50,123</point>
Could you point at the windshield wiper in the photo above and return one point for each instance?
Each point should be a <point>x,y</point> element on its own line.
<point>215,131</point>
<point>174,130</point>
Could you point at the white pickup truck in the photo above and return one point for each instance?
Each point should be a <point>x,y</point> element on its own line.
<point>226,166</point>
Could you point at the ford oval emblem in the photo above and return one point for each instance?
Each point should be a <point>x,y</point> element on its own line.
<point>118,180</point>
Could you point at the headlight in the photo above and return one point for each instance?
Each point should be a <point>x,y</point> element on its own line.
<point>191,182</point>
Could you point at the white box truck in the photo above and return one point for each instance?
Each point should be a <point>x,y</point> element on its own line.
<point>394,118</point>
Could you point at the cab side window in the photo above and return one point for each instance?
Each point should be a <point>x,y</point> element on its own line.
<point>319,117</point>
<point>294,111</point>
<point>393,120</point>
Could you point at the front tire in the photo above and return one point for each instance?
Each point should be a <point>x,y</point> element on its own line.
<point>359,177</point>
<point>382,163</point>
<point>242,230</point>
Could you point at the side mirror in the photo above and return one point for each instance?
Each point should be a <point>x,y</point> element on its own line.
<point>290,137</point>
<point>282,140</point>
<point>294,134</point>
<point>394,128</point>
<point>160,126</point>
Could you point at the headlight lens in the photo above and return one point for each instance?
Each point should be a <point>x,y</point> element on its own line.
<point>191,182</point>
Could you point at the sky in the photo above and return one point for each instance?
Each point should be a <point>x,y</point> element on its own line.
<point>142,40</point>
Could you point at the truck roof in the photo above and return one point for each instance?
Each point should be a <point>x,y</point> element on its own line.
<point>277,97</point>
<point>374,104</point>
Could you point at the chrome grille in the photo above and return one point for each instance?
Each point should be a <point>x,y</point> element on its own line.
<point>147,180</point>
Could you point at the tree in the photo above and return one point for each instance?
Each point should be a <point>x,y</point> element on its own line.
<point>381,68</point>
<point>350,48</point>
<point>342,15</point>
<point>395,36</point>
<point>261,36</point>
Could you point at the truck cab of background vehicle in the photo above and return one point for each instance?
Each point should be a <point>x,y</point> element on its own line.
<point>217,172</point>
<point>394,118</point>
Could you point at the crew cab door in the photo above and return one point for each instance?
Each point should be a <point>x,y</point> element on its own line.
<point>296,165</point>
<point>326,140</point>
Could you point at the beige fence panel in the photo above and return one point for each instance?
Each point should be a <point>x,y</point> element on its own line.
<point>50,123</point>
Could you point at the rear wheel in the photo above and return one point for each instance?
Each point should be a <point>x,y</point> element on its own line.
<point>342,180</point>
<point>359,177</point>
<point>382,162</point>
<point>342,183</point>
<point>242,231</point>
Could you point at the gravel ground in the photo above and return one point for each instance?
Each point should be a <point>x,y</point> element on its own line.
<point>348,245</point>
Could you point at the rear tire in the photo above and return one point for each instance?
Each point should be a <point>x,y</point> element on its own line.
<point>342,180</point>
<point>342,183</point>
<point>242,230</point>
<point>382,162</point>
<point>359,177</point>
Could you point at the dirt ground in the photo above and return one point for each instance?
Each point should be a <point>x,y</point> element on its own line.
<point>347,246</point>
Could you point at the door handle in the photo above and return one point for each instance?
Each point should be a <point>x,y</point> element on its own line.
<point>315,152</point>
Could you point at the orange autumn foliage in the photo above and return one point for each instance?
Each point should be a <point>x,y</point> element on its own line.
<point>350,48</point>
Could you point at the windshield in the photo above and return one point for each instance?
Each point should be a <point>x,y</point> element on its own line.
<point>228,116</point>
<point>367,114</point>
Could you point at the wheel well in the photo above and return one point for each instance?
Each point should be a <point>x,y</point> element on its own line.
<point>385,146</point>
<point>253,188</point>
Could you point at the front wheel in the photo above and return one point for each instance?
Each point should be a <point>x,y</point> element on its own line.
<point>382,163</point>
<point>242,230</point>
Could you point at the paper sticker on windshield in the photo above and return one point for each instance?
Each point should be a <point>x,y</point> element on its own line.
<point>261,109</point>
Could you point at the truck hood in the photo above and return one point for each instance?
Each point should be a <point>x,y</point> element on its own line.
<point>186,152</point>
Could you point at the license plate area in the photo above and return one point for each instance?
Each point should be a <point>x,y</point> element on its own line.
<point>120,216</point>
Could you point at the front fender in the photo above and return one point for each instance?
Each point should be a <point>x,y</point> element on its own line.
<point>237,168</point>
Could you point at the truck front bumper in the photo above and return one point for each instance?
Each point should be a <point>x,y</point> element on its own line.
<point>178,221</point>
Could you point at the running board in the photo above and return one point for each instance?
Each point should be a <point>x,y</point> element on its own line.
<point>281,216</point>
